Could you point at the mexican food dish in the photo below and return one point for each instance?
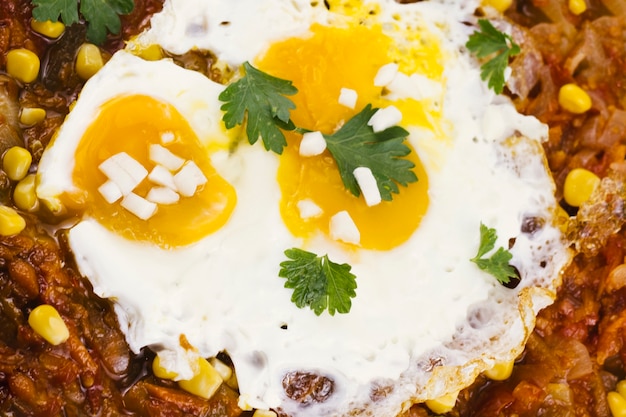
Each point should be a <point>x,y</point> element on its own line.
<point>312,208</point>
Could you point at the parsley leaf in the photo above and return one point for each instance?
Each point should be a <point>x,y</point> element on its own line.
<point>67,10</point>
<point>488,42</point>
<point>318,282</point>
<point>498,263</point>
<point>356,145</point>
<point>101,15</point>
<point>260,97</point>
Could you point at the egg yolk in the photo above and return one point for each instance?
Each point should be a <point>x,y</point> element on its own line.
<point>320,65</point>
<point>131,124</point>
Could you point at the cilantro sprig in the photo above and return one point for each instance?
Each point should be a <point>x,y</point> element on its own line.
<point>102,16</point>
<point>318,282</point>
<point>498,263</point>
<point>357,145</point>
<point>259,100</point>
<point>490,42</point>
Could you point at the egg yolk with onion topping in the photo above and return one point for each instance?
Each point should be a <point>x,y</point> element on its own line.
<point>131,124</point>
<point>320,65</point>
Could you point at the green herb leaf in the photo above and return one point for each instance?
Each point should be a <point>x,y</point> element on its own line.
<point>102,16</point>
<point>66,10</point>
<point>259,99</point>
<point>356,145</point>
<point>490,41</point>
<point>498,263</point>
<point>318,282</point>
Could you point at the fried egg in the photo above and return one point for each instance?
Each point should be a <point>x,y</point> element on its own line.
<point>195,271</point>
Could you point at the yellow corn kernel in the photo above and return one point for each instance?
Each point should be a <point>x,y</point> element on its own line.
<point>579,184</point>
<point>24,195</point>
<point>224,370</point>
<point>499,5</point>
<point>621,388</point>
<point>48,28</point>
<point>160,371</point>
<point>205,382</point>
<point>23,65</point>
<point>88,60</point>
<point>501,371</point>
<point>443,404</point>
<point>11,223</point>
<point>16,162</point>
<point>30,116</point>
<point>151,53</point>
<point>577,6</point>
<point>264,413</point>
<point>617,404</point>
<point>47,323</point>
<point>574,99</point>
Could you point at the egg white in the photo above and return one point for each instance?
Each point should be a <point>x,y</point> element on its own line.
<point>420,304</point>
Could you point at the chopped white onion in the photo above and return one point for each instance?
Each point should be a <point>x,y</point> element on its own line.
<point>385,118</point>
<point>162,176</point>
<point>110,191</point>
<point>162,195</point>
<point>110,168</point>
<point>118,176</point>
<point>385,74</point>
<point>348,97</point>
<point>139,206</point>
<point>308,209</point>
<point>124,171</point>
<point>403,87</point>
<point>131,166</point>
<point>368,185</point>
<point>342,228</point>
<point>167,137</point>
<point>163,156</point>
<point>189,178</point>
<point>313,143</point>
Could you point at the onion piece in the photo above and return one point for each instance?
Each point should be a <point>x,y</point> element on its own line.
<point>385,118</point>
<point>139,206</point>
<point>313,143</point>
<point>308,209</point>
<point>348,97</point>
<point>343,228</point>
<point>189,178</point>
<point>124,171</point>
<point>167,137</point>
<point>110,192</point>
<point>385,74</point>
<point>163,156</point>
<point>368,185</point>
<point>162,195</point>
<point>582,364</point>
<point>162,176</point>
<point>9,111</point>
